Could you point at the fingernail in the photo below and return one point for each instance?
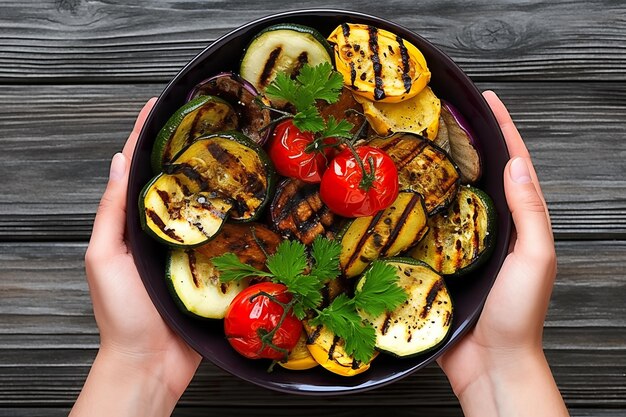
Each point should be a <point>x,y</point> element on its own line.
<point>519,171</point>
<point>118,167</point>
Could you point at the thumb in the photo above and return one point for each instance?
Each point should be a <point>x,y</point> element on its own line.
<point>532,224</point>
<point>107,238</point>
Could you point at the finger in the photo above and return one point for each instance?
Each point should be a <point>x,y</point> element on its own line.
<point>129,146</point>
<point>107,237</point>
<point>532,225</point>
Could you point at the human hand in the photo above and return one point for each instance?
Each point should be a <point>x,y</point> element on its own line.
<point>504,349</point>
<point>137,348</point>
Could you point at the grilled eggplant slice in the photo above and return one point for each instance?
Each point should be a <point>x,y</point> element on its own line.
<point>462,146</point>
<point>328,350</point>
<point>298,212</point>
<point>461,238</point>
<point>249,241</point>
<point>230,165</point>
<point>176,212</point>
<point>285,47</point>
<point>442,136</point>
<point>201,116</point>
<point>421,323</point>
<point>387,233</point>
<point>423,167</point>
<point>195,285</point>
<point>242,95</point>
<point>378,64</point>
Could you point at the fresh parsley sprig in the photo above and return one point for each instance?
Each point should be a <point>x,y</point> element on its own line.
<point>320,82</point>
<point>290,266</point>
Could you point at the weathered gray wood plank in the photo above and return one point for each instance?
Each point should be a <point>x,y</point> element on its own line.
<point>91,41</point>
<point>57,142</point>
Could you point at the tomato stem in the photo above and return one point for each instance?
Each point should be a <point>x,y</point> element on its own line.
<point>367,178</point>
<point>267,337</point>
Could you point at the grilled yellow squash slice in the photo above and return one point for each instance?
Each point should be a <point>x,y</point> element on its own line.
<point>419,114</point>
<point>378,64</point>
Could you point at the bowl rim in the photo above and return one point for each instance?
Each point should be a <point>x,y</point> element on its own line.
<point>311,389</point>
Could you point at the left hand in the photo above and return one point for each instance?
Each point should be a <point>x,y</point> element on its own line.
<point>131,330</point>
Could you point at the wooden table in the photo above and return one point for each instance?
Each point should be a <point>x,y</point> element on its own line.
<point>74,73</point>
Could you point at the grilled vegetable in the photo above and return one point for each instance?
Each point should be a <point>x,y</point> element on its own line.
<point>419,114</point>
<point>195,285</point>
<point>249,241</point>
<point>462,146</point>
<point>345,108</point>
<point>422,167</point>
<point>378,64</point>
<point>421,323</point>
<point>299,358</point>
<point>201,116</point>
<point>441,139</point>
<point>461,238</point>
<point>327,350</point>
<point>240,94</point>
<point>231,165</point>
<point>387,233</point>
<point>297,212</point>
<point>284,47</point>
<point>174,210</point>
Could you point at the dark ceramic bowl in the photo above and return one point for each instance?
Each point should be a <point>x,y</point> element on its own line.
<point>448,82</point>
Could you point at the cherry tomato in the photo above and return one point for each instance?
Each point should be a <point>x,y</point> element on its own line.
<point>250,316</point>
<point>287,151</point>
<point>341,188</point>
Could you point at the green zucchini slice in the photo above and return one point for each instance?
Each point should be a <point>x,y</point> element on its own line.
<point>423,167</point>
<point>176,212</point>
<point>201,116</point>
<point>423,321</point>
<point>387,233</point>
<point>284,47</point>
<point>231,165</point>
<point>461,238</point>
<point>195,285</point>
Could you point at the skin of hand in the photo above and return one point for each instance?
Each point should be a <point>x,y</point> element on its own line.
<point>142,367</point>
<point>499,368</point>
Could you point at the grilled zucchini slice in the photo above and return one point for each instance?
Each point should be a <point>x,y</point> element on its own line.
<point>423,167</point>
<point>201,116</point>
<point>298,212</point>
<point>285,47</point>
<point>195,285</point>
<point>387,233</point>
<point>327,350</point>
<point>231,165</point>
<point>378,64</point>
<point>176,212</point>
<point>461,238</point>
<point>421,323</point>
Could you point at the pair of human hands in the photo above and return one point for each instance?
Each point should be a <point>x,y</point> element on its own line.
<point>508,331</point>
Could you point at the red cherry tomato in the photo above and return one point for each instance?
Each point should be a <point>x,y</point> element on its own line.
<point>287,151</point>
<point>250,316</point>
<point>341,189</point>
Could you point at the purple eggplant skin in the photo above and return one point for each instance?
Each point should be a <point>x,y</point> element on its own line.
<point>463,144</point>
<point>241,95</point>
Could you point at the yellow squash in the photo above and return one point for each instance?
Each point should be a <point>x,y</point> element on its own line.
<point>377,64</point>
<point>299,358</point>
<point>419,114</point>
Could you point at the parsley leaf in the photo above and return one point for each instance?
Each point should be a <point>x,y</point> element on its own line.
<point>232,269</point>
<point>289,261</point>
<point>284,88</point>
<point>326,256</point>
<point>309,120</point>
<point>341,318</point>
<point>337,129</point>
<point>380,291</point>
<point>321,82</point>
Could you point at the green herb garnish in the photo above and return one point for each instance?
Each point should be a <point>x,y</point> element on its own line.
<point>290,266</point>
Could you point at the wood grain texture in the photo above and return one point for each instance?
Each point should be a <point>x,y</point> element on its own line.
<point>48,337</point>
<point>94,41</point>
<point>58,141</point>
